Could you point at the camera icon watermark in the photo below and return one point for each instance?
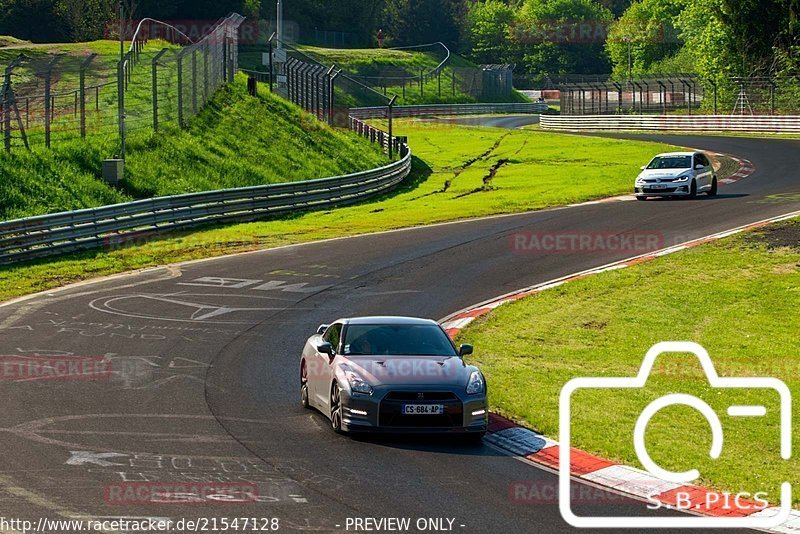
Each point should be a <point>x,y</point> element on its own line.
<point>638,382</point>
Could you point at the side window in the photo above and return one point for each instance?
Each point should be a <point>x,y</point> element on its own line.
<point>702,160</point>
<point>333,334</point>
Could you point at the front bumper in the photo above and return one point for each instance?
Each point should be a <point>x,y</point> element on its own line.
<point>381,412</point>
<point>674,189</point>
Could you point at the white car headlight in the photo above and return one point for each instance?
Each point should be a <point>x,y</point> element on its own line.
<point>358,384</point>
<point>476,383</point>
<point>683,177</point>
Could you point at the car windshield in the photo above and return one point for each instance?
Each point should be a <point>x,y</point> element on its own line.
<point>397,339</point>
<point>671,162</point>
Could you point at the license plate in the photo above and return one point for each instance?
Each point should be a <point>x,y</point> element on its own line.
<point>658,186</point>
<point>423,409</point>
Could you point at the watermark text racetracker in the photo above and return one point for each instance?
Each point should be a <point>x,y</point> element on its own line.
<point>145,524</point>
<point>23,368</point>
<point>585,242</point>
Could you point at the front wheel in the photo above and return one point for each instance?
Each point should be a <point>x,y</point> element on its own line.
<point>713,191</point>
<point>304,387</point>
<point>336,408</point>
<point>693,190</point>
<point>641,198</point>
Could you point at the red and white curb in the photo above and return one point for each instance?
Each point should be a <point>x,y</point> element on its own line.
<point>541,450</point>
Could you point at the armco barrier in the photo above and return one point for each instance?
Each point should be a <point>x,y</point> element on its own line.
<point>448,109</point>
<point>705,123</point>
<point>59,233</point>
<point>111,226</point>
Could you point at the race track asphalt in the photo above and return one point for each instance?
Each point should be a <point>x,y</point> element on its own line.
<point>204,382</point>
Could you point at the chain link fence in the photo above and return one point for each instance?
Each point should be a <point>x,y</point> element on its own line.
<point>681,93</point>
<point>47,99</point>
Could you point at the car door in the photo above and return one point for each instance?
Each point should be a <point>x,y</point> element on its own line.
<point>323,366</point>
<point>704,176</point>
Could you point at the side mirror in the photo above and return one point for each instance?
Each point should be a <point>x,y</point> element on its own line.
<point>465,350</point>
<point>321,329</point>
<point>699,167</point>
<point>643,167</point>
<point>325,348</point>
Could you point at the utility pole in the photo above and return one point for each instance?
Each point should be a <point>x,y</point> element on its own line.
<point>630,58</point>
<point>121,31</point>
<point>279,25</point>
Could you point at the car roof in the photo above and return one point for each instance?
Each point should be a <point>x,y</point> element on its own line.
<point>668,154</point>
<point>388,320</point>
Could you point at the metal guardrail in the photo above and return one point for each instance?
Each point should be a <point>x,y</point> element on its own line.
<point>704,123</point>
<point>113,226</point>
<point>448,109</point>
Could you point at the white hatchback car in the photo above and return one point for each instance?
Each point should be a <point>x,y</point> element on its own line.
<point>677,174</point>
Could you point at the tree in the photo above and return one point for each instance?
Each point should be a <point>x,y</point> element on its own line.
<point>424,21</point>
<point>563,36</point>
<point>648,24</point>
<point>487,29</point>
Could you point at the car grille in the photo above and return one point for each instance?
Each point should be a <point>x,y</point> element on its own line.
<point>421,396</point>
<point>391,410</point>
<point>658,180</point>
<point>665,190</point>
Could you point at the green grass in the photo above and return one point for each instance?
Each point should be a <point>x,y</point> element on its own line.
<point>8,40</point>
<point>738,298</point>
<point>235,141</point>
<point>534,177</point>
<point>377,63</point>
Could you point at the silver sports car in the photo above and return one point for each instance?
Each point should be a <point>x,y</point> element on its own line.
<point>392,374</point>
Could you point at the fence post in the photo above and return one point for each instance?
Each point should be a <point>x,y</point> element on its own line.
<point>440,83</point>
<point>454,83</point>
<point>84,66</point>
<point>47,103</point>
<point>180,89</point>
<point>194,81</point>
<point>271,66</point>
<point>390,113</point>
<point>5,100</point>
<point>332,95</point>
<point>714,85</point>
<point>205,74</point>
<point>421,83</point>
<point>121,105</point>
<point>155,87</point>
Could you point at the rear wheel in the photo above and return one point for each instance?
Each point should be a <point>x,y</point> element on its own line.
<point>693,190</point>
<point>336,408</point>
<point>641,198</point>
<point>304,386</point>
<point>713,191</point>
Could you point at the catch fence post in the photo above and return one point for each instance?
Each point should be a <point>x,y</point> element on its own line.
<point>84,67</point>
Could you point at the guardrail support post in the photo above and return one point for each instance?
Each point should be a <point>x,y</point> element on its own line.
<point>332,95</point>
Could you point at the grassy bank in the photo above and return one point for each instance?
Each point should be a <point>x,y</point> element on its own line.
<point>235,141</point>
<point>459,172</point>
<point>378,67</point>
<point>738,298</point>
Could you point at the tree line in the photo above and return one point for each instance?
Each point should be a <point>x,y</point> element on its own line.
<point>544,38</point>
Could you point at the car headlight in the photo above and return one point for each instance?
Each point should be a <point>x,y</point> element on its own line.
<point>683,178</point>
<point>358,384</point>
<point>476,383</point>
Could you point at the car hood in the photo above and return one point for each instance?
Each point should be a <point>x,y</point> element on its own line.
<point>411,370</point>
<point>662,173</point>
